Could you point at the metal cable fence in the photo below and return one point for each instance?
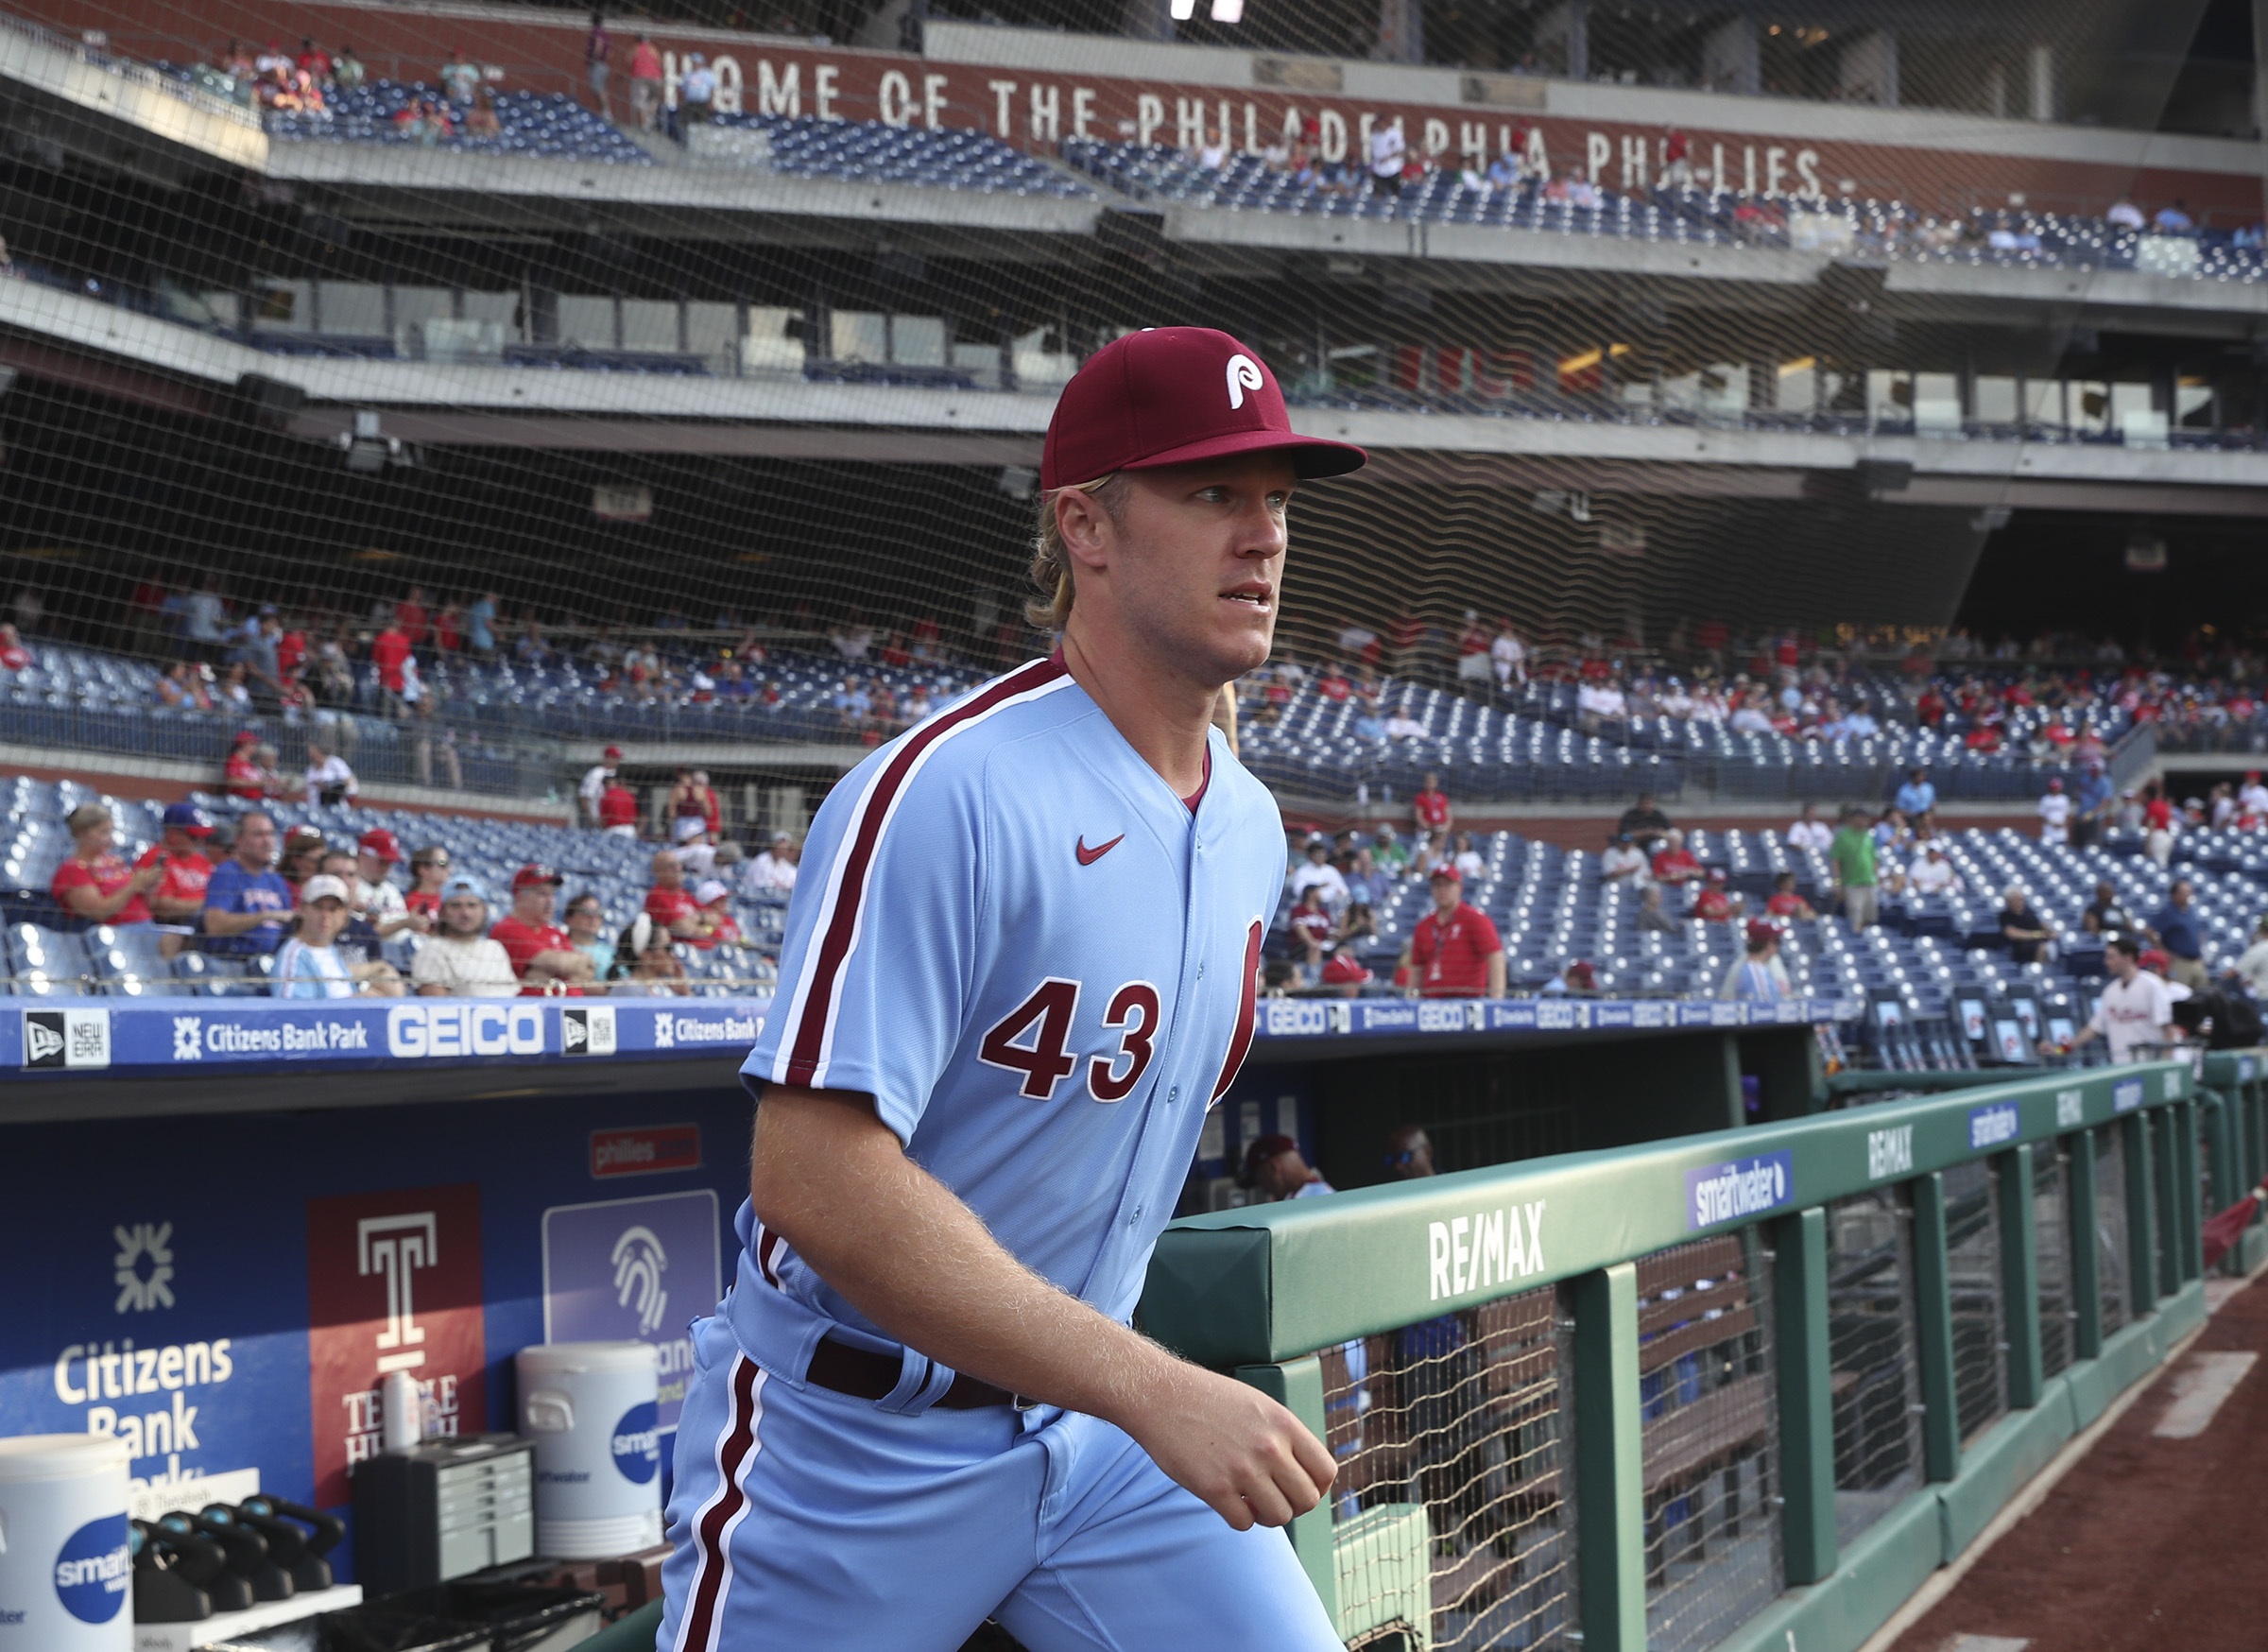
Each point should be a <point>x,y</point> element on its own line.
<point>2112,1252</point>
<point>1873,1351</point>
<point>1452,1501</point>
<point>2051,1239</point>
<point>1709,1438</point>
<point>1972,1220</point>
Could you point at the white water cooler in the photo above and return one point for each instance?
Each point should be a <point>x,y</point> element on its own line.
<point>590,1409</point>
<point>66,1558</point>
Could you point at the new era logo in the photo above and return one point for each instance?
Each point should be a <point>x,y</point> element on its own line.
<point>66,1038</point>
<point>588,1031</point>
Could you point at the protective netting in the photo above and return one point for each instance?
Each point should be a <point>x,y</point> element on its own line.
<point>1709,1438</point>
<point>1873,1356</point>
<point>2114,1255</point>
<point>1973,1225</point>
<point>1453,1500</point>
<point>2051,1240</point>
<point>721,432</point>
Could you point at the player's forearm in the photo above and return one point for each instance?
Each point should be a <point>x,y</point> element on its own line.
<point>831,1178</point>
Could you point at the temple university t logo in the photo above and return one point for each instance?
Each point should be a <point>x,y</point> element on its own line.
<point>397,1246</point>
<point>1244,374</point>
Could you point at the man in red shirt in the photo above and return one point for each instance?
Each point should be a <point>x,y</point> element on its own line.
<point>178,901</point>
<point>1785,902</point>
<point>618,809</point>
<point>719,927</point>
<point>669,902</point>
<point>411,616</point>
<point>389,651</point>
<point>244,777</point>
<point>1454,951</point>
<point>1714,903</point>
<point>1674,864</point>
<point>1430,808</point>
<point>542,953</point>
<point>14,656</point>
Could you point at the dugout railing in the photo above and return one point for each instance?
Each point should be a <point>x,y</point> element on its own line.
<point>1744,1389</point>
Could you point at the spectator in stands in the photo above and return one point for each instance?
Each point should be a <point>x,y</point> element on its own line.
<point>1314,930</point>
<point>461,960</point>
<point>1575,975</point>
<point>1676,866</point>
<point>1643,822</point>
<point>1507,659</point>
<point>1784,903</point>
<point>1389,855</point>
<point>597,45</point>
<point>586,928</point>
<point>644,962</point>
<point>177,901</point>
<point>1387,148</point>
<point>718,926</point>
<point>14,656</point>
<point>697,855</point>
<point>1602,710</point>
<point>1651,916</point>
<point>1466,858</point>
<point>1759,976</point>
<point>2136,1009</point>
<point>2174,219</point>
<point>2027,933</point>
<point>2106,914</point>
<point>459,77</point>
<point>669,902</point>
<point>1318,871</point>
<point>301,857</point>
<point>2157,824</point>
<point>2125,214</point>
<point>376,855</point>
<point>1811,833</point>
<point>2091,816</point>
<point>646,83</point>
<point>1625,863</point>
<point>310,964</point>
<point>541,954</point>
<point>696,91</point>
<point>1931,874</point>
<point>330,781</point>
<point>1714,903</point>
<point>2055,813</point>
<point>771,876</point>
<point>248,904</point>
<point>1454,951</point>
<point>618,810</point>
<point>2251,967</point>
<point>1851,853</point>
<point>2176,927</point>
<point>482,120</point>
<point>596,780</point>
<point>428,875</point>
<point>480,625</point>
<point>94,885</point>
<point>1399,725</point>
<point>1918,797</point>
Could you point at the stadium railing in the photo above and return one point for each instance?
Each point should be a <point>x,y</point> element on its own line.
<point>1744,1390</point>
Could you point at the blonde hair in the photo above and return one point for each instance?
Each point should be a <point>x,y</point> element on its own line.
<point>1051,559</point>
<point>84,819</point>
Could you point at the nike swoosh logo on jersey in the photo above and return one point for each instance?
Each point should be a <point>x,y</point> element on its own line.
<point>1088,856</point>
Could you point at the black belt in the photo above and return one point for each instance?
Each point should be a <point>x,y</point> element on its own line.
<point>866,1375</point>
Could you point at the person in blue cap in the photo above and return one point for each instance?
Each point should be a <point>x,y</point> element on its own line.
<point>177,901</point>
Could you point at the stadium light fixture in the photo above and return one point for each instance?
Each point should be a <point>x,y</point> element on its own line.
<point>1183,9</point>
<point>1227,11</point>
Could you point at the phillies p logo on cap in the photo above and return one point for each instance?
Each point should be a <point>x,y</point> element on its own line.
<point>1173,396</point>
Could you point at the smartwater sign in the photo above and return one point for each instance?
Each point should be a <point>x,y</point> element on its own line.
<point>1739,1188</point>
<point>1988,1127</point>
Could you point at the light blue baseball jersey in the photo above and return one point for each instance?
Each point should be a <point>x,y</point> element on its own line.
<point>1041,964</point>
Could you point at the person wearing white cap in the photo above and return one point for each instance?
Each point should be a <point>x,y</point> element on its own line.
<point>772,874</point>
<point>309,966</point>
<point>2055,813</point>
<point>595,781</point>
<point>718,928</point>
<point>695,853</point>
<point>460,961</point>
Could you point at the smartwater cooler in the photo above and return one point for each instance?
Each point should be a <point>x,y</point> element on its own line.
<point>591,1408</point>
<point>67,1557</point>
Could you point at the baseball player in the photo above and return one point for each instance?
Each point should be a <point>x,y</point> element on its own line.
<point>921,1405</point>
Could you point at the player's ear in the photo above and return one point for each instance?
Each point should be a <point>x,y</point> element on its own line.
<point>1083,525</point>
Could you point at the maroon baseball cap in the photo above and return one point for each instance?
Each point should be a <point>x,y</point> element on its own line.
<point>534,872</point>
<point>1171,396</point>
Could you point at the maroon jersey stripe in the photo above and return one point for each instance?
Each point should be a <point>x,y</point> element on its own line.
<point>1247,1007</point>
<point>709,1583</point>
<point>810,1033</point>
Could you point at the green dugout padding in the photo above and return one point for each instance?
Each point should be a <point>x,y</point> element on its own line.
<point>1258,1290</point>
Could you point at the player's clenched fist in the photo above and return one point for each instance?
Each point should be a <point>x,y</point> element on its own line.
<point>1240,1452</point>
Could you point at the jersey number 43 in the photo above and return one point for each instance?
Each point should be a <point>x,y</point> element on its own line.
<point>1034,1038</point>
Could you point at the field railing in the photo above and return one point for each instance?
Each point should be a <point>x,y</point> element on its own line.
<point>1742,1390</point>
